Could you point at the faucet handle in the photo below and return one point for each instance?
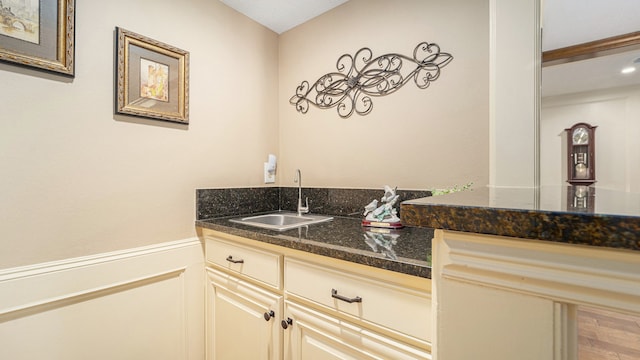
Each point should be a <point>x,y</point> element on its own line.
<point>304,209</point>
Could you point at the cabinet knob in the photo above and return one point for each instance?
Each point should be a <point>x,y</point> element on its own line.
<point>269,315</point>
<point>285,323</point>
<point>232,260</point>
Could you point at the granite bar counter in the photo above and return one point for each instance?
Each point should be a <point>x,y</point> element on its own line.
<point>566,214</point>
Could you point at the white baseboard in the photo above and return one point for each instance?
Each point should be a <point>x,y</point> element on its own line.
<point>139,303</point>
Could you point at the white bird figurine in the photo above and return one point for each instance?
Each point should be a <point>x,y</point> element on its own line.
<point>372,206</point>
<point>388,193</point>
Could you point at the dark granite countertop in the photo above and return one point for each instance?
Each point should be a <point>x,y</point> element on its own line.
<point>575,215</point>
<point>406,250</point>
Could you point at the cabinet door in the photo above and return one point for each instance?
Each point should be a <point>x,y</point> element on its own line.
<point>311,335</point>
<point>243,321</point>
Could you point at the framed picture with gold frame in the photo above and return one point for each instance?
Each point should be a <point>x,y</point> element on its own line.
<point>152,78</point>
<point>38,34</point>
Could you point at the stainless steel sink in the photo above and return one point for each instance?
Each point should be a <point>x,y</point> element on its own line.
<point>281,220</point>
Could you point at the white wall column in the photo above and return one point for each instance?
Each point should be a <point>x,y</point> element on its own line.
<point>514,92</point>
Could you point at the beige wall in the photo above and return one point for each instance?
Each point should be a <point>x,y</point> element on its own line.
<point>77,180</point>
<point>416,139</point>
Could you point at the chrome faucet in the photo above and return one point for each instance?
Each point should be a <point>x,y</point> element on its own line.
<point>301,209</point>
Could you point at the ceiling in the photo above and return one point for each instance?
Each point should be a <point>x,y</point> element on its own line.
<point>571,22</point>
<point>282,15</point>
<point>564,22</point>
<point>598,73</point>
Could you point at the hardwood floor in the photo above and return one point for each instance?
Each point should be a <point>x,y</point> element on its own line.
<point>605,335</point>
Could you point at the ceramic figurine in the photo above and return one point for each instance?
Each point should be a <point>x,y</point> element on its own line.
<point>384,215</point>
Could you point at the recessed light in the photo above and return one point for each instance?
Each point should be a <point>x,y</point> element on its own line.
<point>628,70</point>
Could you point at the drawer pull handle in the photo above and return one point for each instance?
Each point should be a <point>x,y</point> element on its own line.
<point>269,315</point>
<point>232,260</point>
<point>285,323</point>
<point>334,294</point>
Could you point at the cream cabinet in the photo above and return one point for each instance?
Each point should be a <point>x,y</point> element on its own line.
<point>315,334</point>
<point>272,302</point>
<point>242,319</point>
<point>525,292</point>
<point>374,302</point>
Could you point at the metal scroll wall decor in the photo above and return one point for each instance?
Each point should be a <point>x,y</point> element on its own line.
<point>361,77</point>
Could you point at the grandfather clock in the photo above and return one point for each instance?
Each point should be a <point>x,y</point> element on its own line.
<point>581,159</point>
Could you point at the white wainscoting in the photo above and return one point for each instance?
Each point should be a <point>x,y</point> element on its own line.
<point>142,303</point>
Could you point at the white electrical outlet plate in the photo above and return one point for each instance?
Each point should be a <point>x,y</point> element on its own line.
<point>269,177</point>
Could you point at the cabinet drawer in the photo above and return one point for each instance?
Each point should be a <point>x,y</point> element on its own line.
<point>398,308</point>
<point>257,264</point>
<point>315,335</point>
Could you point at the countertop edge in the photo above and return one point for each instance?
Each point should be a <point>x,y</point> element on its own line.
<point>596,230</point>
<point>406,266</point>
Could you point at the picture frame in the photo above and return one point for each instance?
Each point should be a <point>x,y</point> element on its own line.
<point>38,34</point>
<point>152,78</point>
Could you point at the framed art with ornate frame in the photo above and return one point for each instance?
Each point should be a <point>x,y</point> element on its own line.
<point>152,78</point>
<point>38,34</point>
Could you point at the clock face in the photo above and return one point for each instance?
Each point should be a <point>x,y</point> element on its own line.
<point>580,136</point>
